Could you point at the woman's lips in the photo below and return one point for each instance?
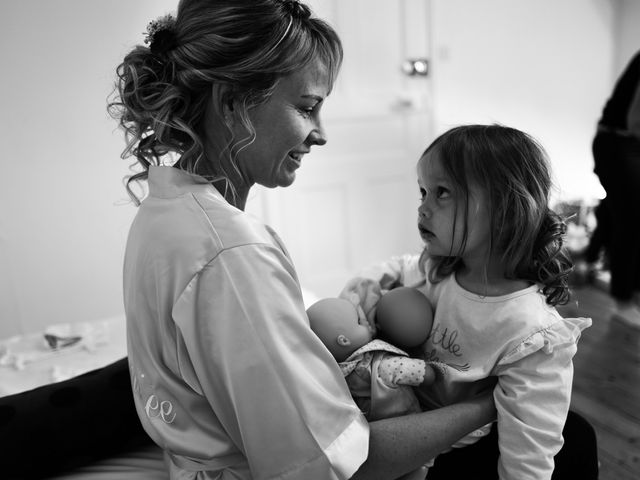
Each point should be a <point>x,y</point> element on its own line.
<point>295,159</point>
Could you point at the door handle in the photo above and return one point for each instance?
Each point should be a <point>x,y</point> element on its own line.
<point>413,67</point>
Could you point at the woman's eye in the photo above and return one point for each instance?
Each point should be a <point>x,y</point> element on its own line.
<point>306,111</point>
<point>423,193</point>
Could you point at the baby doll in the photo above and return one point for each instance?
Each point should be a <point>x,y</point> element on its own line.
<point>379,373</point>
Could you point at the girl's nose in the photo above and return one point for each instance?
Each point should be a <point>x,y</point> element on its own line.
<point>424,211</point>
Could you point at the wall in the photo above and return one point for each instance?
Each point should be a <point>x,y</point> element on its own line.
<point>541,66</point>
<point>626,32</point>
<point>63,211</point>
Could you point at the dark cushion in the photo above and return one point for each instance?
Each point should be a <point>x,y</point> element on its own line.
<point>578,458</point>
<point>69,424</point>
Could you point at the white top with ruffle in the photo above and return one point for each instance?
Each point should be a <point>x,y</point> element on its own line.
<point>517,340</point>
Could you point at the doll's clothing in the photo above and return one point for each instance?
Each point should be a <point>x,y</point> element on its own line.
<point>380,377</point>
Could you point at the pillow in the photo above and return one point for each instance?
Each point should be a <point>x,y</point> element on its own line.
<point>65,425</point>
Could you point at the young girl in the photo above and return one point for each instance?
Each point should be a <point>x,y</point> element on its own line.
<point>493,267</point>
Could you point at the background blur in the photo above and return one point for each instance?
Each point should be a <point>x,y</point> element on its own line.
<point>543,66</point>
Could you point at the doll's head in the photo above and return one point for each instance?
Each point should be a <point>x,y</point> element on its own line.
<point>335,322</point>
<point>404,317</point>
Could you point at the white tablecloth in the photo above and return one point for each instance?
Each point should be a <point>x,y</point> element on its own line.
<point>27,361</point>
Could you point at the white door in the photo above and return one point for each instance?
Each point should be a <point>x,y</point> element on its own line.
<point>355,200</point>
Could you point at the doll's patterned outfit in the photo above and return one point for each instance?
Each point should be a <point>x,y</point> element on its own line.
<point>516,340</point>
<point>380,377</point>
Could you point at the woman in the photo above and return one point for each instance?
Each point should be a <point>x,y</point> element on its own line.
<point>228,378</point>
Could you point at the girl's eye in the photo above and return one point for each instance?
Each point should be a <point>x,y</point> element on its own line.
<point>442,193</point>
<point>439,193</point>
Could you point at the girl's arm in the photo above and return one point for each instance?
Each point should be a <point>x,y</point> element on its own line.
<point>402,444</point>
<point>365,290</point>
<point>398,270</point>
<point>532,400</point>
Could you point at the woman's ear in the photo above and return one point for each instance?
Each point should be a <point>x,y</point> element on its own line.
<point>343,341</point>
<point>222,102</point>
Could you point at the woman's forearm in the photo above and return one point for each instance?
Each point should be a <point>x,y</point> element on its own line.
<point>401,444</point>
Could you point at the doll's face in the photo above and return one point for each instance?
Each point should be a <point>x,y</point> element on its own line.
<point>404,317</point>
<point>335,322</point>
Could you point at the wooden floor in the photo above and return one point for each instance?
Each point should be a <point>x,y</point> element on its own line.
<point>606,387</point>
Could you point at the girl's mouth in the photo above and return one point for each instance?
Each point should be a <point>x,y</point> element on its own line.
<point>425,233</point>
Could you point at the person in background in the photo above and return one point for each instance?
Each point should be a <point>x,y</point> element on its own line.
<point>227,376</point>
<point>616,153</point>
<point>493,267</point>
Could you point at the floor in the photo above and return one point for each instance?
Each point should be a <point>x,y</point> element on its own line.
<point>607,382</point>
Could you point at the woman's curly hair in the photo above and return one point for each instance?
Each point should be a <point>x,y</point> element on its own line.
<point>162,91</point>
<point>513,170</point>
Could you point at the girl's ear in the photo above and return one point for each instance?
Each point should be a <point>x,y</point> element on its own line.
<point>343,341</point>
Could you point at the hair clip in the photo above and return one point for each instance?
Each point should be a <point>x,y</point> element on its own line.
<point>160,34</point>
<point>295,8</point>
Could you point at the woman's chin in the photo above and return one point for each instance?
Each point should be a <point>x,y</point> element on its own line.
<point>287,178</point>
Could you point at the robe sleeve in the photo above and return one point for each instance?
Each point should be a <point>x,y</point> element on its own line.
<point>275,388</point>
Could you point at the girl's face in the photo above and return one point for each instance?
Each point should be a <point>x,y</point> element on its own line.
<point>441,219</point>
<point>286,127</point>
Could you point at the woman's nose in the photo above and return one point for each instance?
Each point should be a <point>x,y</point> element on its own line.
<point>318,135</point>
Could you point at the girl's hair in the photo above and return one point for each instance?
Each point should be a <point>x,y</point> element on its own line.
<point>513,170</point>
<point>162,91</point>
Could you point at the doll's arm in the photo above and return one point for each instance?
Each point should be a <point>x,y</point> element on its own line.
<point>397,370</point>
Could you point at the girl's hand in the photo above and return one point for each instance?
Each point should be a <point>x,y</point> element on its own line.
<point>362,317</point>
<point>364,294</point>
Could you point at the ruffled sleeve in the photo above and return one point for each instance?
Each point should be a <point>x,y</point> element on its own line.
<point>562,334</point>
<point>532,398</point>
